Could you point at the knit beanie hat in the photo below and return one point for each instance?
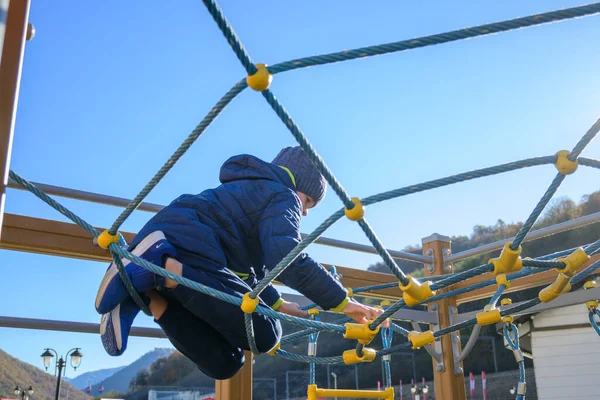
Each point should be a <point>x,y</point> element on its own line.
<point>308,178</point>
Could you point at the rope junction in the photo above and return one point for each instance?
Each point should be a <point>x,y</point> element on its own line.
<point>508,266</point>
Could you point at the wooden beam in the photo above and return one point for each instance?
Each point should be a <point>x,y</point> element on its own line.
<point>42,236</point>
<point>240,386</point>
<point>450,382</point>
<point>11,62</point>
<point>541,279</point>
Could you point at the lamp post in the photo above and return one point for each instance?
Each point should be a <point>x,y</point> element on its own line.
<point>418,391</point>
<point>61,363</point>
<point>24,394</point>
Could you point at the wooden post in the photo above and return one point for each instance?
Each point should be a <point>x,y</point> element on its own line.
<point>16,31</point>
<point>240,386</point>
<point>450,383</point>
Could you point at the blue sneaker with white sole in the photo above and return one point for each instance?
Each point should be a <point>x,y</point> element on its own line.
<point>112,291</point>
<point>116,325</point>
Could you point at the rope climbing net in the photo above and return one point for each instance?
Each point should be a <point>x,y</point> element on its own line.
<point>508,266</point>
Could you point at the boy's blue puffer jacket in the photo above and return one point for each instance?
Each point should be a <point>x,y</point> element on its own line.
<point>248,223</point>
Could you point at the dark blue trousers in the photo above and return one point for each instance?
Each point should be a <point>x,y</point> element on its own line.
<point>209,331</point>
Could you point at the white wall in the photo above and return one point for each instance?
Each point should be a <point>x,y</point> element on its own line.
<point>566,361</point>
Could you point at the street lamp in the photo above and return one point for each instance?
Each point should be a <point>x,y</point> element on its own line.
<point>24,394</point>
<point>60,364</point>
<point>418,391</point>
<point>512,390</point>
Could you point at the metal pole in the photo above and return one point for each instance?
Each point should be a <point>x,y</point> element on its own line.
<point>493,339</point>
<point>536,234</point>
<point>287,385</point>
<point>154,208</point>
<point>61,364</point>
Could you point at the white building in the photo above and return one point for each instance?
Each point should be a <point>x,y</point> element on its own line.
<point>566,353</point>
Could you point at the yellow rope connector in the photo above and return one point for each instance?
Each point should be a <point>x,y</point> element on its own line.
<point>508,261</point>
<point>105,239</point>
<point>502,280</point>
<point>559,286</point>
<point>350,356</point>
<point>357,212</point>
<point>591,303</point>
<point>415,291</point>
<point>386,303</point>
<point>313,311</point>
<point>509,318</point>
<point>248,303</point>
<point>573,262</point>
<point>563,164</point>
<point>488,316</point>
<point>420,339</point>
<point>350,291</point>
<point>274,349</point>
<point>261,79</point>
<point>360,332</point>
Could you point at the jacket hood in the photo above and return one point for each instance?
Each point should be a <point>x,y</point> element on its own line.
<point>245,166</point>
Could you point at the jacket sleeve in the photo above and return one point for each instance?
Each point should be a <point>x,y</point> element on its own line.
<point>271,296</point>
<point>279,231</point>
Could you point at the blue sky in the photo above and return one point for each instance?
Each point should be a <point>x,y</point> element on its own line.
<point>109,90</point>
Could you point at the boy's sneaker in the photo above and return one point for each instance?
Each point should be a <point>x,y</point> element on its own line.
<point>116,325</point>
<point>155,249</point>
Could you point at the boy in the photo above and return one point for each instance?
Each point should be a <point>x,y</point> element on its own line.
<point>226,238</point>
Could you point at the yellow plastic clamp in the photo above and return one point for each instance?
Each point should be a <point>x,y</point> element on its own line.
<point>509,261</point>
<point>559,286</point>
<point>488,316</point>
<point>505,302</point>
<point>508,318</point>
<point>563,164</point>
<point>350,291</point>
<point>386,303</point>
<point>312,392</point>
<point>261,79</point>
<point>573,262</point>
<point>357,212</point>
<point>420,339</point>
<point>360,332</point>
<point>249,304</point>
<point>105,239</point>
<point>350,356</point>
<point>501,280</point>
<point>274,349</point>
<point>313,311</point>
<point>591,303</point>
<point>589,285</point>
<point>415,291</point>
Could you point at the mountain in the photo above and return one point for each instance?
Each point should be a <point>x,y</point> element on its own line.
<point>119,381</point>
<point>92,377</point>
<point>15,372</point>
